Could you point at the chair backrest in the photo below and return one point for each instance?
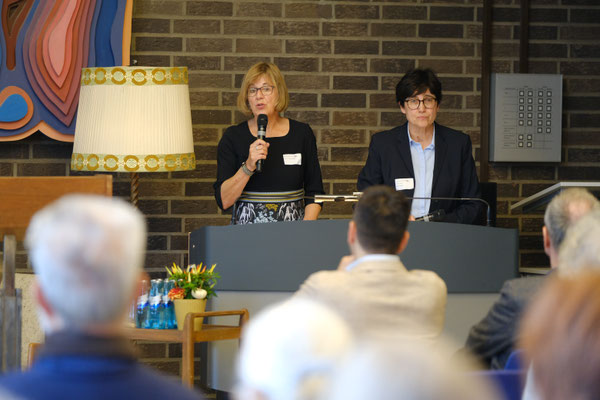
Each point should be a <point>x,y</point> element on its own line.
<point>515,360</point>
<point>510,383</point>
<point>32,353</point>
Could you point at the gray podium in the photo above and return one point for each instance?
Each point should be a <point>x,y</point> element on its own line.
<point>265,263</point>
<point>279,257</point>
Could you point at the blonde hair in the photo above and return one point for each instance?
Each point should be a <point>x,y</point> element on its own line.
<point>272,72</point>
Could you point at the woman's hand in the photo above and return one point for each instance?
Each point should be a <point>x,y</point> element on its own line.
<point>258,151</point>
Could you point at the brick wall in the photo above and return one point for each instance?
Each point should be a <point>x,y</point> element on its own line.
<point>341,60</point>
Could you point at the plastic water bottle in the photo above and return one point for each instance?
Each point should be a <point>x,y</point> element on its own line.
<point>169,321</point>
<point>153,321</point>
<point>141,310</point>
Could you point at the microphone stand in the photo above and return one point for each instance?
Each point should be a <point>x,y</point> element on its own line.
<point>356,195</point>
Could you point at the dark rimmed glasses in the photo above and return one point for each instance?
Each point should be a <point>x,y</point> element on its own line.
<point>265,90</point>
<point>413,104</point>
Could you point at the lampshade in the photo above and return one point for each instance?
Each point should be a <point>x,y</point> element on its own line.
<point>134,119</point>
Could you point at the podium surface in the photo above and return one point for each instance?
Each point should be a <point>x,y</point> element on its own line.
<point>263,264</point>
<point>280,256</point>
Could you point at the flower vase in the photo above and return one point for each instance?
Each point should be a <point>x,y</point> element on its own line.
<point>185,306</point>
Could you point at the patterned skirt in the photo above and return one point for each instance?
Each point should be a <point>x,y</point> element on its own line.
<point>261,207</point>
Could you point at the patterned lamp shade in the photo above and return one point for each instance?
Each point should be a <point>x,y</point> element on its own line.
<point>134,119</point>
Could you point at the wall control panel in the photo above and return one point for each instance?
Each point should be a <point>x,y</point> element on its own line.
<point>526,118</point>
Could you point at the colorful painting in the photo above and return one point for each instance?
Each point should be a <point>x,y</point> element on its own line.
<point>43,47</point>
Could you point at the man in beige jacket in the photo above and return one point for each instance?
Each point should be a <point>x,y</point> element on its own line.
<point>371,289</point>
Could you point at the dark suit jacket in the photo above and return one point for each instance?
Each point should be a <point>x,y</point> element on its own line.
<point>454,173</point>
<point>493,339</point>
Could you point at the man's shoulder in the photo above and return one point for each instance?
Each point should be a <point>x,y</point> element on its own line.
<point>522,289</point>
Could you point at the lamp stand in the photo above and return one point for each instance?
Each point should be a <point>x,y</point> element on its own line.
<point>135,182</point>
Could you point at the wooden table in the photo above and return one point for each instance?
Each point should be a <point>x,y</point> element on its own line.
<point>187,336</point>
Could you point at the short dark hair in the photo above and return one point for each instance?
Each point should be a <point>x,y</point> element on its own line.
<point>381,218</point>
<point>417,81</point>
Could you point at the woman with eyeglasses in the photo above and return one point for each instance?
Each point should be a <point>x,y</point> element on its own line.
<point>423,158</point>
<point>291,175</point>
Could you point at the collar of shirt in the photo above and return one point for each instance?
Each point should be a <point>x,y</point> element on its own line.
<point>423,161</point>
<point>413,143</point>
<point>371,257</point>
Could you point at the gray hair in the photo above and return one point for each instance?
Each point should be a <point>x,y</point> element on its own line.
<point>581,247</point>
<point>564,209</point>
<point>399,369</point>
<point>290,351</point>
<point>87,252</point>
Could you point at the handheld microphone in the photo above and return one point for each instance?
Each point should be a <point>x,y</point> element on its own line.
<point>437,215</point>
<point>261,121</point>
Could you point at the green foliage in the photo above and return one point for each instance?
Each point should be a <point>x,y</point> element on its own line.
<point>194,277</point>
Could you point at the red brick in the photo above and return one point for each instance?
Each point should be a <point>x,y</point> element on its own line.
<point>345,29</point>
<point>308,46</point>
<point>258,45</point>
<point>208,117</point>
<point>295,28</point>
<point>358,118</point>
<point>393,30</point>
<point>201,45</point>
<point>356,47</point>
<point>194,26</point>
<point>355,82</point>
<point>246,27</point>
<point>210,8</point>
<point>356,12</point>
<point>343,136</point>
<point>303,10</point>
<point>262,10</point>
<point>344,64</point>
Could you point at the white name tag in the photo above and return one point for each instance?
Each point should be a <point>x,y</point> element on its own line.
<point>404,183</point>
<point>292,159</point>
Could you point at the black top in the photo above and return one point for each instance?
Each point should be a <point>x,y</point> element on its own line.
<point>454,172</point>
<point>276,176</point>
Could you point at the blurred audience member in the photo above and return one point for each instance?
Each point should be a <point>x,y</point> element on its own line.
<point>581,247</point>
<point>560,335</point>
<point>371,289</point>
<point>87,253</point>
<point>407,370</point>
<point>493,339</point>
<point>289,351</point>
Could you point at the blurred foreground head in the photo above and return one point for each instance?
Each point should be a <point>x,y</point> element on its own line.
<point>87,252</point>
<point>581,247</point>
<point>560,334</point>
<point>290,350</point>
<point>408,370</point>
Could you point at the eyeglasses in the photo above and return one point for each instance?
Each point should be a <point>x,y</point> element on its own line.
<point>266,90</point>
<point>413,104</point>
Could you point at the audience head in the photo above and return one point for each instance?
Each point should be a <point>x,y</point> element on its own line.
<point>581,247</point>
<point>391,370</point>
<point>564,209</point>
<point>290,350</point>
<point>273,74</point>
<point>417,81</point>
<point>560,334</point>
<point>87,252</point>
<point>380,219</point>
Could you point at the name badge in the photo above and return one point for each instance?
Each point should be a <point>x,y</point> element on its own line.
<point>292,159</point>
<point>404,183</point>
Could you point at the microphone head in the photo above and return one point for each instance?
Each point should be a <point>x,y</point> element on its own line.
<point>262,121</point>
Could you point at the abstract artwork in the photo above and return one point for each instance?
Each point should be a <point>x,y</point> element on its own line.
<point>43,47</point>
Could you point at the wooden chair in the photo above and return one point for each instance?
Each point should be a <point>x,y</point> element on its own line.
<point>32,353</point>
<point>21,198</point>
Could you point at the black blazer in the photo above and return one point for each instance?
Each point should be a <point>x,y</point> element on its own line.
<point>454,173</point>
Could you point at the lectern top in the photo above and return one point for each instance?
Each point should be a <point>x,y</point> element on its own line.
<point>543,197</point>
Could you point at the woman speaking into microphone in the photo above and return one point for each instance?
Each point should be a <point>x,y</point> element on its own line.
<point>267,166</point>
